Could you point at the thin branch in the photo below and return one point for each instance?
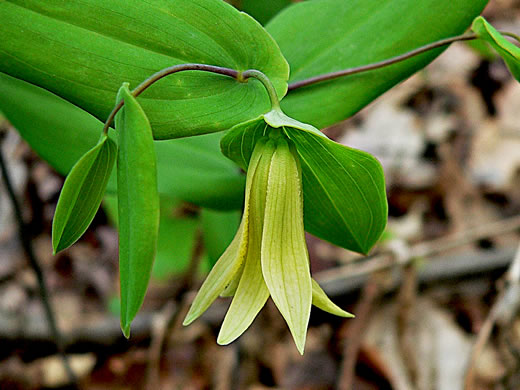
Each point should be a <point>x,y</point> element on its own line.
<point>380,64</point>
<point>35,265</point>
<point>237,75</point>
<point>371,292</point>
<point>170,318</point>
<point>430,248</point>
<point>390,61</point>
<point>166,72</point>
<point>503,311</point>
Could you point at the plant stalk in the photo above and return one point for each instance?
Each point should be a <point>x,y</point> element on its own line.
<point>240,76</point>
<point>35,265</point>
<point>390,61</point>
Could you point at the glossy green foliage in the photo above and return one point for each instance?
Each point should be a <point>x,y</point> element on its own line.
<point>343,188</point>
<point>340,34</point>
<point>509,52</point>
<point>84,50</point>
<point>189,169</point>
<point>138,204</point>
<point>263,10</point>
<point>56,130</point>
<point>82,193</point>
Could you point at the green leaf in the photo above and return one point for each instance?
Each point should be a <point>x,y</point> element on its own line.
<point>82,193</point>
<point>341,34</point>
<point>218,230</point>
<point>343,188</point>
<point>84,50</point>
<point>285,261</point>
<point>509,52</point>
<point>322,301</point>
<point>189,169</point>
<point>263,10</point>
<point>344,192</point>
<point>138,203</point>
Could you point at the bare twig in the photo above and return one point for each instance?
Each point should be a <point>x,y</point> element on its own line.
<point>503,311</point>
<point>387,62</point>
<point>386,260</point>
<point>380,64</point>
<point>25,238</point>
<point>407,298</point>
<point>170,317</point>
<point>371,292</point>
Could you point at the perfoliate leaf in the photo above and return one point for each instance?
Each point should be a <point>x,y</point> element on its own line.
<point>190,169</point>
<point>83,50</point>
<point>322,301</point>
<point>344,195</point>
<point>509,52</point>
<point>82,193</point>
<point>344,192</point>
<point>285,261</point>
<point>342,34</point>
<point>138,204</point>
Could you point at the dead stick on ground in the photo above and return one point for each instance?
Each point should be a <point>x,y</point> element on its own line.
<point>371,291</point>
<point>169,319</point>
<point>503,310</point>
<point>424,249</point>
<point>405,329</point>
<point>35,265</point>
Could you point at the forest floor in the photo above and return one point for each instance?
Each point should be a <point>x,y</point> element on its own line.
<point>436,302</point>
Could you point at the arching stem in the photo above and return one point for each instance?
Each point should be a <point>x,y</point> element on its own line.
<point>240,76</point>
<point>390,61</point>
<point>253,73</point>
<point>165,72</point>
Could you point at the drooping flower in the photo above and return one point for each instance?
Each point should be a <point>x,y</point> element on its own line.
<point>268,256</point>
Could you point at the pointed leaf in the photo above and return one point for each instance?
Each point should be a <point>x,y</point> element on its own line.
<point>509,52</point>
<point>138,204</point>
<point>82,193</point>
<point>344,192</point>
<point>342,34</point>
<point>83,50</point>
<point>285,261</point>
<point>322,301</point>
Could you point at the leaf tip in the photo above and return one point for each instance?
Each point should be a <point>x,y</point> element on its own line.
<point>126,330</point>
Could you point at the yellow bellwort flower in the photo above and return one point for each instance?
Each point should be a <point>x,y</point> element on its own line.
<point>268,256</point>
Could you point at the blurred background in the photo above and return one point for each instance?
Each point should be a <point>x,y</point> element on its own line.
<point>436,302</point>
